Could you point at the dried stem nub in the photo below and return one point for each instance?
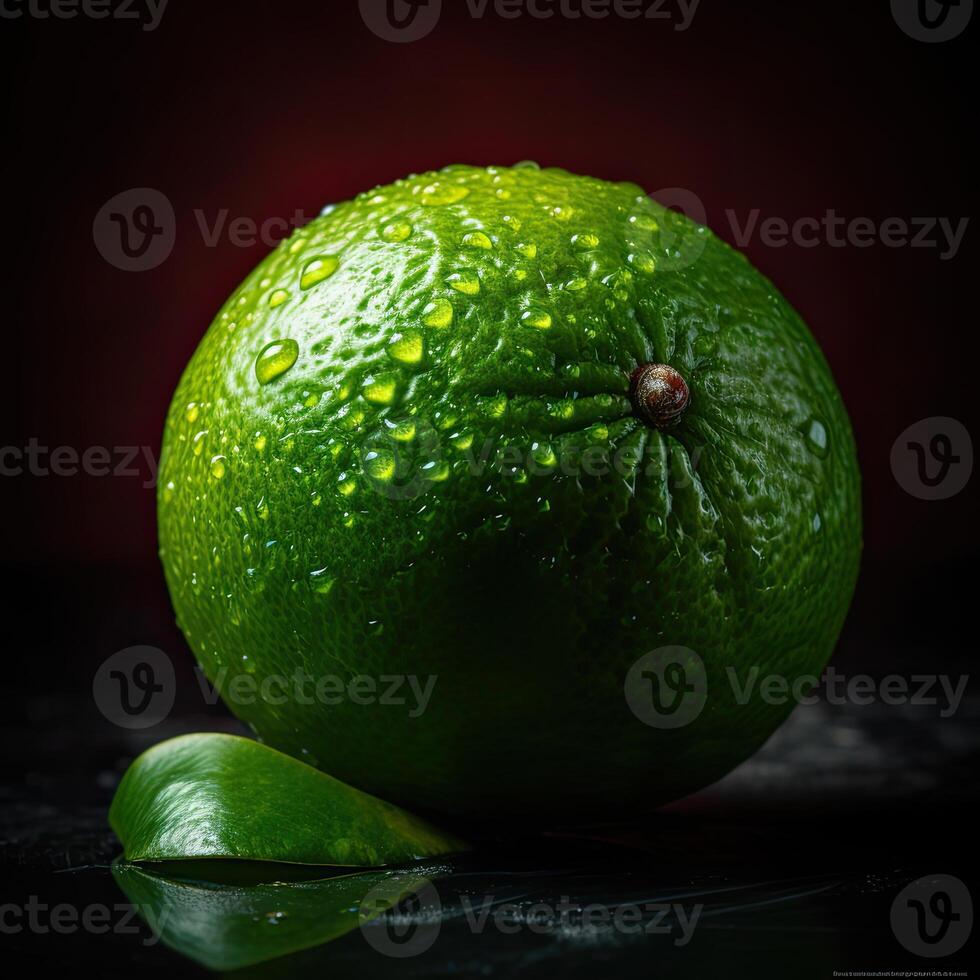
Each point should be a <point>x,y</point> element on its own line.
<point>659,395</point>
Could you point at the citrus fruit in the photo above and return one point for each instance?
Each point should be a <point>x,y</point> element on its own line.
<point>477,471</point>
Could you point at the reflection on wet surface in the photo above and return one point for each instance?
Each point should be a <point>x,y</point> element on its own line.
<point>788,867</point>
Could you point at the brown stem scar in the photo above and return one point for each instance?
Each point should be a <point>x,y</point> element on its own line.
<point>659,395</point>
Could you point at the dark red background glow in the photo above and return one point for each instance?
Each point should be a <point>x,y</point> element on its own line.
<point>263,109</point>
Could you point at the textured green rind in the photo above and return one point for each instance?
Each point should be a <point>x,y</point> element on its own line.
<point>221,796</point>
<point>527,595</point>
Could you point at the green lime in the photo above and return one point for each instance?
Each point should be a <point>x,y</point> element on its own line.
<point>500,492</point>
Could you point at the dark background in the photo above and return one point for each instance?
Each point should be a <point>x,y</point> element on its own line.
<point>263,109</point>
<point>259,109</point>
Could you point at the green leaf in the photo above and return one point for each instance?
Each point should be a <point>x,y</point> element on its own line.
<point>221,796</point>
<point>226,926</point>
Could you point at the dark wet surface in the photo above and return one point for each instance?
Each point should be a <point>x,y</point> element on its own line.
<point>788,867</point>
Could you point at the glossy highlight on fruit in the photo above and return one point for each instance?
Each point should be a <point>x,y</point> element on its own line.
<point>225,797</point>
<point>414,449</point>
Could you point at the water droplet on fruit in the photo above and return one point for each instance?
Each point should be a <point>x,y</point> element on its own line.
<point>644,222</point>
<point>218,468</point>
<point>496,406</point>
<point>464,282</point>
<point>193,411</point>
<point>435,471</point>
<point>318,269</point>
<point>585,242</point>
<point>278,297</point>
<point>435,195</point>
<point>654,522</point>
<point>275,359</point>
<point>816,438</point>
<point>407,348</point>
<point>539,319</point>
<point>380,391</point>
<point>477,239</point>
<point>543,455</point>
<point>438,313</point>
<point>404,431</point>
<point>322,583</point>
<point>397,231</point>
<point>380,464</point>
<point>527,249</point>
<point>643,262</point>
